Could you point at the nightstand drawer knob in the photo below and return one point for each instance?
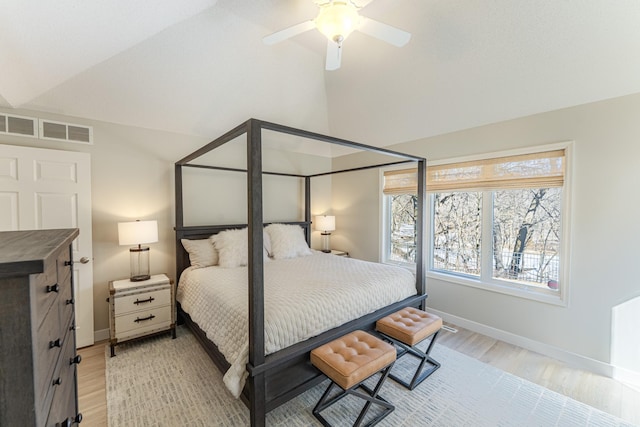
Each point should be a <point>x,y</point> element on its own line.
<point>53,288</point>
<point>75,360</point>
<point>57,381</point>
<point>71,301</point>
<point>142,301</point>
<point>142,319</point>
<point>56,343</point>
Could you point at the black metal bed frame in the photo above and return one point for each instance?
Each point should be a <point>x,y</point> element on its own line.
<point>276,378</point>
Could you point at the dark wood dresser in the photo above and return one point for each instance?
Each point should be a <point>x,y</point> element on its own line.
<point>38,381</point>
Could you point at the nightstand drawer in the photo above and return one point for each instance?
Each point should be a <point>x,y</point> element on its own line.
<point>143,321</point>
<point>142,301</point>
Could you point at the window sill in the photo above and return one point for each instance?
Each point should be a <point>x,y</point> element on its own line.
<point>525,293</point>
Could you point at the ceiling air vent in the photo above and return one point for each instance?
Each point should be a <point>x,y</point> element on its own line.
<point>18,125</point>
<point>66,132</point>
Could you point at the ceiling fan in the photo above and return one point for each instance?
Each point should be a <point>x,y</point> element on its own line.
<point>336,20</point>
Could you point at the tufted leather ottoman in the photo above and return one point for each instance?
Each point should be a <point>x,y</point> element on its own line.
<point>348,361</point>
<point>406,328</point>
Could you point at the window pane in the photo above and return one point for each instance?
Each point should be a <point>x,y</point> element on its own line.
<point>457,232</point>
<point>404,209</point>
<point>526,236</point>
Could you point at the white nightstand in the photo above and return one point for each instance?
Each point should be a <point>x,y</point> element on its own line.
<point>339,253</point>
<point>140,309</point>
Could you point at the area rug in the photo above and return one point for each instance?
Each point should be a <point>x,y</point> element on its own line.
<point>164,382</point>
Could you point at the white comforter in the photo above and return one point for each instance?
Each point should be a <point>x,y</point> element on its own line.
<point>303,297</point>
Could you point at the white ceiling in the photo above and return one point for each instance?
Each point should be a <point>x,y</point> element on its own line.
<point>199,67</point>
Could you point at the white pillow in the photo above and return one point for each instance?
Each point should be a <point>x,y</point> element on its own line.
<point>266,241</point>
<point>201,252</point>
<point>287,241</point>
<point>233,247</point>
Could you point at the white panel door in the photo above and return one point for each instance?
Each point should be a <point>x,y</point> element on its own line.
<point>44,189</point>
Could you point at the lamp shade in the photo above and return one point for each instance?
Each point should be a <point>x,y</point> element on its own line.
<point>137,232</point>
<point>325,223</point>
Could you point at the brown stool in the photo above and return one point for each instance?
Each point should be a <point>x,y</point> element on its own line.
<point>406,328</point>
<point>349,361</point>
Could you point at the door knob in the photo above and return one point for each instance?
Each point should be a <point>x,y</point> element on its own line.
<point>84,260</point>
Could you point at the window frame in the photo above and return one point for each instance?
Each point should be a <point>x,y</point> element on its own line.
<point>486,281</point>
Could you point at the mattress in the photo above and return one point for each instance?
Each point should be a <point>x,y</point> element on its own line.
<point>304,297</point>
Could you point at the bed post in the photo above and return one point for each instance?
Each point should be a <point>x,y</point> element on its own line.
<point>420,231</point>
<point>307,209</point>
<point>257,389</point>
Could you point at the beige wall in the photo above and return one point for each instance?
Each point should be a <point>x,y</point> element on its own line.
<point>132,178</point>
<point>604,226</point>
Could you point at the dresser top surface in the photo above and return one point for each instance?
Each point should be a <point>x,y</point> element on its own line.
<point>26,252</point>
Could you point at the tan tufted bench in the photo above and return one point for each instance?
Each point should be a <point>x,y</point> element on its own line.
<point>348,361</point>
<point>406,328</point>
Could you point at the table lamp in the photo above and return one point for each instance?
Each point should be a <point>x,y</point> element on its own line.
<point>138,233</point>
<point>326,224</point>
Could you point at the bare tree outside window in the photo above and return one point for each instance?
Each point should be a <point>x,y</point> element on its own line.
<point>457,232</point>
<point>526,235</point>
<point>525,242</point>
<point>404,210</point>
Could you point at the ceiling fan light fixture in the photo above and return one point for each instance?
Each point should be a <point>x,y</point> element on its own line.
<point>337,20</point>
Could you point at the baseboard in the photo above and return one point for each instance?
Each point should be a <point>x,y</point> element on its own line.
<point>627,376</point>
<point>572,359</point>
<point>101,335</point>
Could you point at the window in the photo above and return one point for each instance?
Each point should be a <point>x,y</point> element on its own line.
<point>495,223</point>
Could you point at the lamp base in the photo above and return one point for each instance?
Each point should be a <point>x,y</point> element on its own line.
<point>139,263</point>
<point>326,244</point>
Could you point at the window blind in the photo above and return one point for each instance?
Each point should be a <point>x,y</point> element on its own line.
<point>400,181</point>
<point>534,170</point>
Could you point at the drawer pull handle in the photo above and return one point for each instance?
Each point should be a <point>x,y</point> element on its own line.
<point>71,301</point>
<point>70,421</point>
<point>149,317</point>
<point>56,343</point>
<point>142,301</point>
<point>53,288</point>
<point>68,263</point>
<point>75,360</point>
<point>57,381</point>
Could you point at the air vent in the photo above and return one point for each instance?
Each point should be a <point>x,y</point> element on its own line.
<point>66,132</point>
<point>18,125</point>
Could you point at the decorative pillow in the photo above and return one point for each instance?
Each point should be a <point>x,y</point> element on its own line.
<point>287,241</point>
<point>266,241</point>
<point>201,252</point>
<point>233,247</point>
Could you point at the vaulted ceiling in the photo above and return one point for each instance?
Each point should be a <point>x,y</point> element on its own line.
<point>199,67</point>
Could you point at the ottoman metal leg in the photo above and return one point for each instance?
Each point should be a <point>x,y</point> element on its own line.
<point>421,373</point>
<point>371,396</point>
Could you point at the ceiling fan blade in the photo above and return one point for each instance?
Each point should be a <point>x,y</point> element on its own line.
<point>384,32</point>
<point>334,55</point>
<point>289,32</point>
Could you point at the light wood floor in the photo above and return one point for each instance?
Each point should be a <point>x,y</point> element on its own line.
<point>595,390</point>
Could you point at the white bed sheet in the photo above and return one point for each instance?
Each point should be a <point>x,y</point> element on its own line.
<point>303,297</point>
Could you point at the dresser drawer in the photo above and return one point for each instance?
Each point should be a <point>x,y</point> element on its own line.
<point>50,339</point>
<point>142,300</point>
<point>142,322</point>
<point>62,388</point>
<point>63,267</point>
<point>45,292</point>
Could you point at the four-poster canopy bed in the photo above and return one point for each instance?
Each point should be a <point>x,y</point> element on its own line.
<point>273,379</point>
